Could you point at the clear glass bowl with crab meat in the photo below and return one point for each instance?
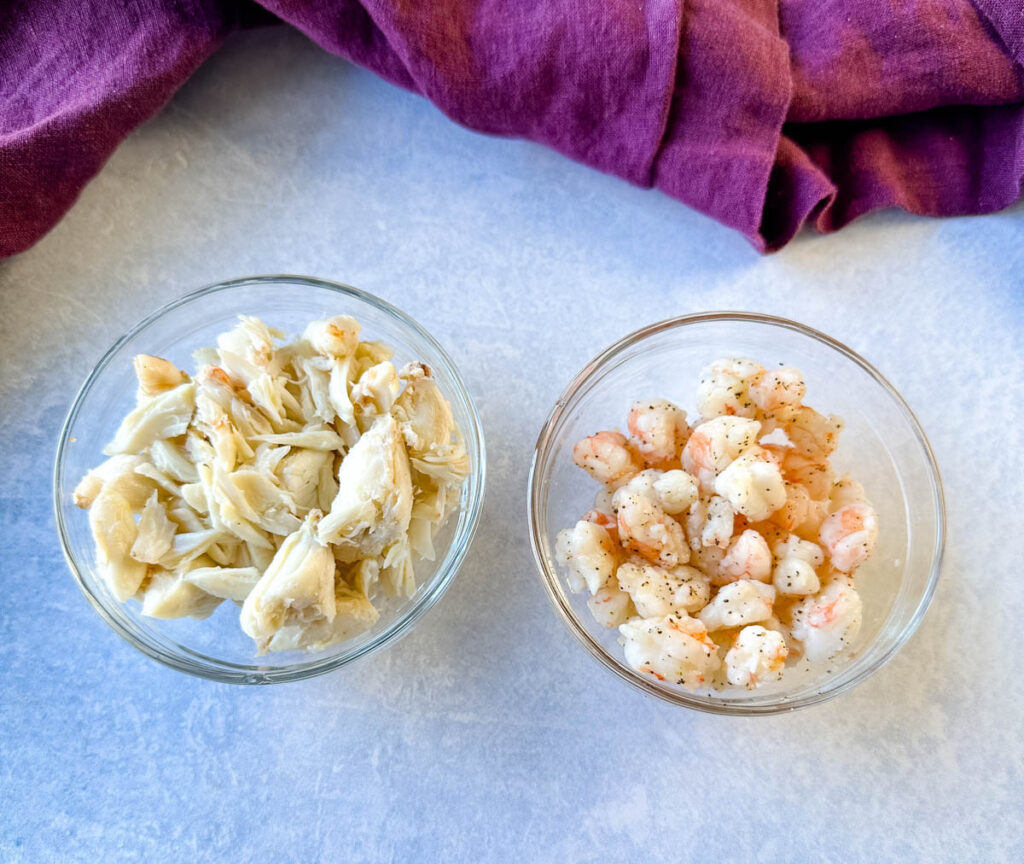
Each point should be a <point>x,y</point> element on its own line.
<point>297,502</point>
<point>727,546</point>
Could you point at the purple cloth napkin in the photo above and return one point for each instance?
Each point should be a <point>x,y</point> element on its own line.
<point>764,114</point>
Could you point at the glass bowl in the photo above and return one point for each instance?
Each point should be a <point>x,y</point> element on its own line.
<point>217,648</point>
<point>883,445</point>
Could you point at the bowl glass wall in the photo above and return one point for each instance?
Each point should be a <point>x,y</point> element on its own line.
<point>882,445</point>
<point>217,647</point>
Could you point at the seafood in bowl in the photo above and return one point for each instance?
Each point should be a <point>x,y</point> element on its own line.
<point>299,480</point>
<point>725,549</point>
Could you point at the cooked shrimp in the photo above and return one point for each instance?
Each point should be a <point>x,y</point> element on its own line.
<point>610,606</point>
<point>753,484</point>
<point>659,591</point>
<point>723,389</point>
<point>710,523</point>
<point>800,513</point>
<point>828,623</point>
<point>845,491</point>
<point>606,458</point>
<point>737,604</point>
<point>723,522</point>
<point>657,431</point>
<point>645,528</point>
<point>605,520</point>
<point>794,574</point>
<point>716,443</point>
<point>672,648</point>
<point>748,557</point>
<point>850,534</point>
<point>588,554</point>
<point>814,435</point>
<point>696,516</point>
<point>718,526</point>
<point>778,387</point>
<point>814,475</point>
<point>757,656</point>
<point>675,490</point>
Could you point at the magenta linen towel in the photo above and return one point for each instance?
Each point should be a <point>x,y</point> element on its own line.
<point>764,114</point>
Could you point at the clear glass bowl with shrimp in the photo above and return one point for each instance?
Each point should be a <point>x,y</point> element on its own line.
<point>675,517</point>
<point>207,638</point>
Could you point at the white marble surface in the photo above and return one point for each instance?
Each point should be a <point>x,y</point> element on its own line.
<point>488,734</point>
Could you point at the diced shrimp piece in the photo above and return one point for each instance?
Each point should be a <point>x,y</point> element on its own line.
<point>845,491</point>
<point>814,435</point>
<point>748,557</point>
<point>738,604</point>
<point>675,490</point>
<point>795,511</point>
<point>850,534</point>
<point>778,387</point>
<point>588,553</point>
<point>710,522</point>
<point>815,476</point>
<point>829,622</point>
<point>724,388</point>
<point>610,606</point>
<point>606,458</point>
<point>757,656</point>
<point>657,431</point>
<point>645,528</point>
<point>659,591</point>
<point>801,514</point>
<point>795,574</point>
<point>674,648</point>
<point>605,520</point>
<point>719,524</point>
<point>696,516</point>
<point>753,485</point>
<point>715,444</point>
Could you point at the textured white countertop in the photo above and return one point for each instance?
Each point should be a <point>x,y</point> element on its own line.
<point>488,734</point>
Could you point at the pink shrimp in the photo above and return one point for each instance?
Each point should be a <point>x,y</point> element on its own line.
<point>645,528</point>
<point>829,622</point>
<point>605,520</point>
<point>850,534</point>
<point>778,387</point>
<point>606,457</point>
<point>715,444</point>
<point>748,557</point>
<point>657,431</point>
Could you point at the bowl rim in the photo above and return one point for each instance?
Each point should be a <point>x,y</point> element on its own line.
<point>549,576</point>
<point>204,666</point>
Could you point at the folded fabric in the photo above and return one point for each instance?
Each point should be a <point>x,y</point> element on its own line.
<point>764,114</point>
